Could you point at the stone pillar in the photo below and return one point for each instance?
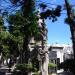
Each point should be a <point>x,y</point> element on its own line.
<point>45,65</point>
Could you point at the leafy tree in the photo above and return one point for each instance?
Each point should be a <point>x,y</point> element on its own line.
<point>4,48</point>
<point>50,13</point>
<point>23,26</point>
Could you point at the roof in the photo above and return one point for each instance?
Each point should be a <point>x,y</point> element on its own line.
<point>55,47</point>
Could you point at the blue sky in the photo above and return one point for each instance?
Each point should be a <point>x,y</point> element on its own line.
<point>59,32</point>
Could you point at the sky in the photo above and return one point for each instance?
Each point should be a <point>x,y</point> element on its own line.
<point>58,32</point>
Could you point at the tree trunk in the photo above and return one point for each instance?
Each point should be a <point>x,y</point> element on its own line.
<point>72,29</point>
<point>26,51</point>
<point>71,23</point>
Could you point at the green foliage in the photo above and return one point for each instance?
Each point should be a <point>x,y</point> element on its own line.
<point>21,25</point>
<point>24,67</point>
<point>50,13</point>
<point>16,22</point>
<point>43,6</point>
<point>52,65</point>
<point>5,51</point>
<point>5,48</point>
<point>36,73</point>
<point>20,28</point>
<point>9,44</point>
<point>1,22</point>
<point>4,35</point>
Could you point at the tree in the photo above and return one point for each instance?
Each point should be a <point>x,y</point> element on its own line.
<point>3,37</point>
<point>24,24</point>
<point>20,26</point>
<point>70,21</point>
<point>52,14</point>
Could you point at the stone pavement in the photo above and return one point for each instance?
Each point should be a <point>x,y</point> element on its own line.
<point>65,73</point>
<point>53,74</point>
<point>62,73</point>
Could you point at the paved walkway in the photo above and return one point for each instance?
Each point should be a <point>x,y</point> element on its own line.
<point>53,74</point>
<point>65,73</point>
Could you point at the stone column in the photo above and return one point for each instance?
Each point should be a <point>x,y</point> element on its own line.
<point>45,65</point>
